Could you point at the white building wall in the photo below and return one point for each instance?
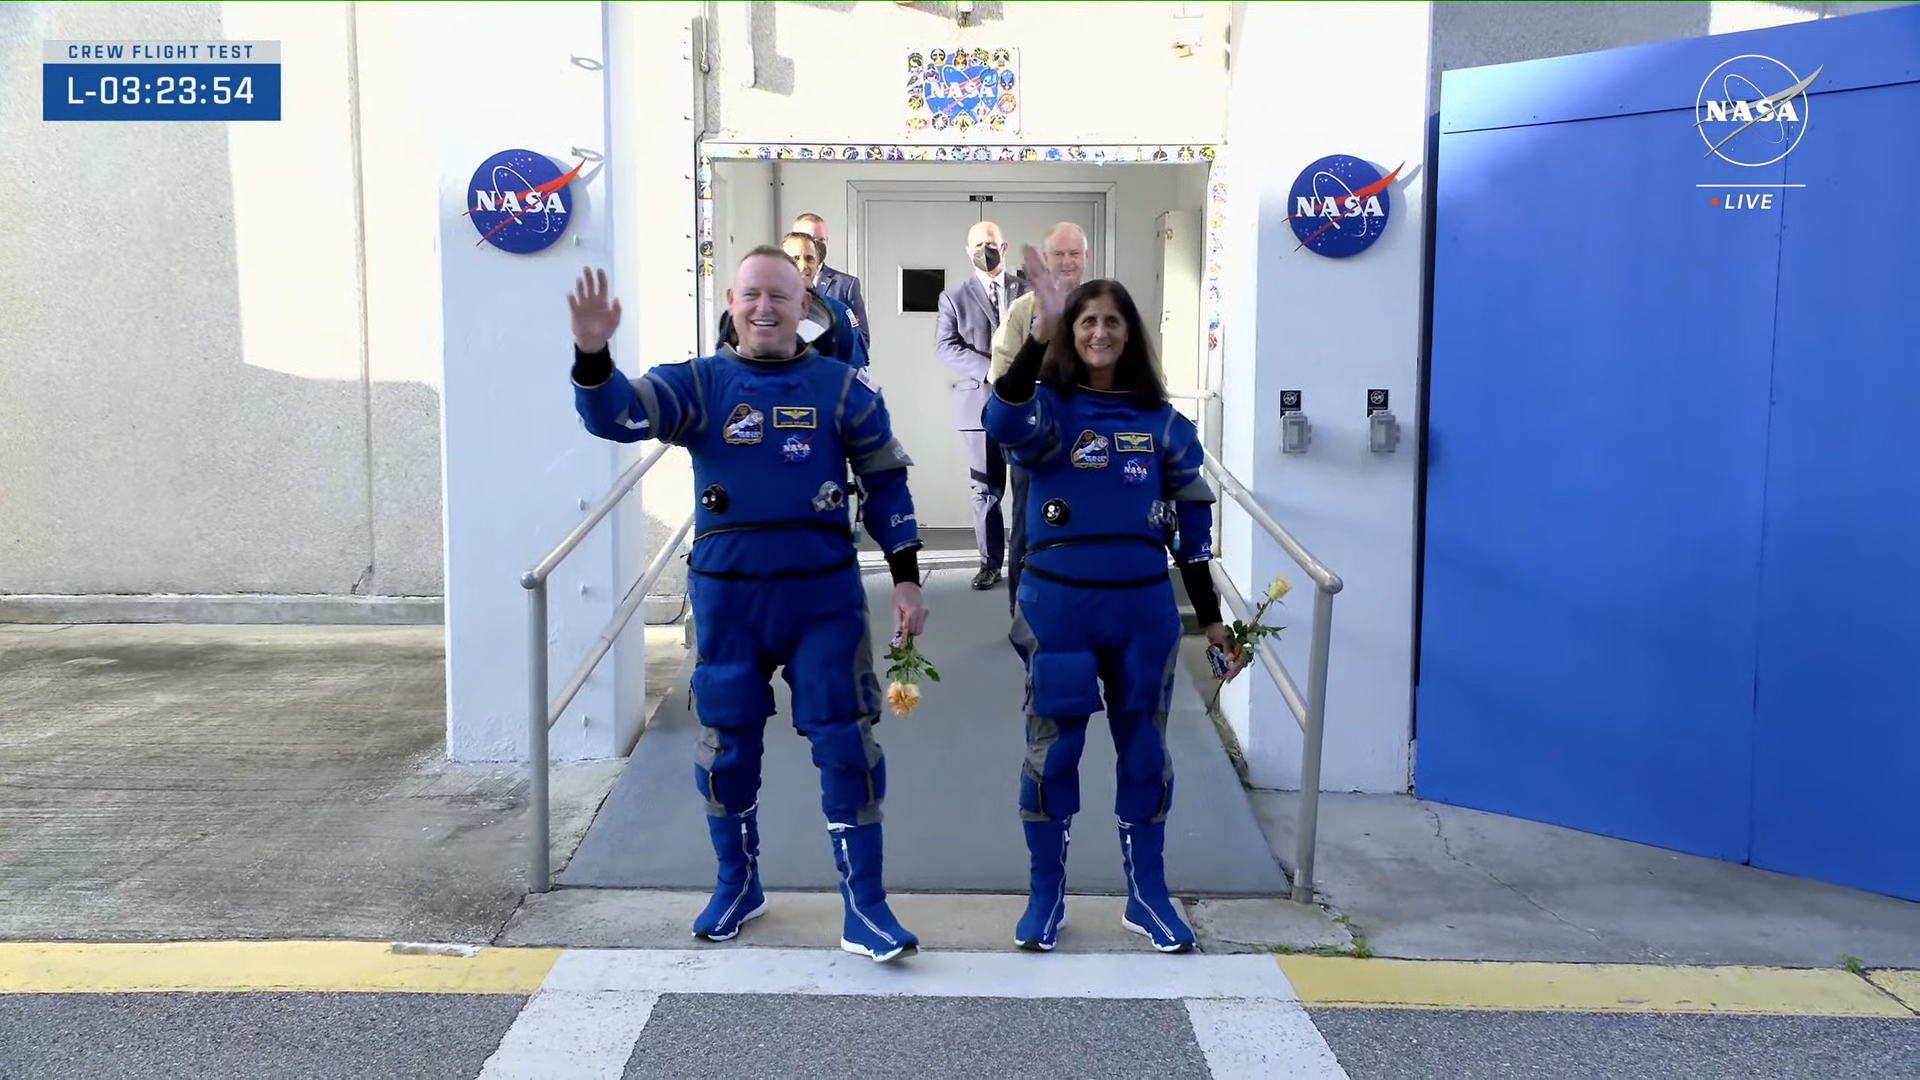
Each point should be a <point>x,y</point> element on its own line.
<point>837,72</point>
<point>1331,329</point>
<point>194,400</point>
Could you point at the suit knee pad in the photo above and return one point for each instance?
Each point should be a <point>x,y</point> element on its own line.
<point>1064,684</point>
<point>1050,776</point>
<point>853,772</point>
<point>726,767</point>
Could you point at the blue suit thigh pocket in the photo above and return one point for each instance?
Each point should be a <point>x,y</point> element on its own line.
<point>1065,684</point>
<point>731,695</point>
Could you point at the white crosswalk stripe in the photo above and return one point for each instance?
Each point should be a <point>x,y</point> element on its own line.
<point>591,1010</point>
<point>566,1034</point>
<point>1264,1038</point>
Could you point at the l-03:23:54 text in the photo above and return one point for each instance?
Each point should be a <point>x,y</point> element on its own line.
<point>164,90</point>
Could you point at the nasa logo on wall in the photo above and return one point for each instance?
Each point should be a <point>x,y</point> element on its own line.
<point>1752,110</point>
<point>519,201</point>
<point>1339,206</point>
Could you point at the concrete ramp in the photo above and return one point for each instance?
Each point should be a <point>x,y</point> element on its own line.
<point>953,770</point>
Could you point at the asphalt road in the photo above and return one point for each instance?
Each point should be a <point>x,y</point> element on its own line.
<point>354,1036</point>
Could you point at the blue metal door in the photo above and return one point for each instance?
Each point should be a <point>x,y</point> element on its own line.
<point>1837,711</point>
<point>1672,501</point>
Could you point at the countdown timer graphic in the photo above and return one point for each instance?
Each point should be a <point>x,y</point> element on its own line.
<point>160,80</point>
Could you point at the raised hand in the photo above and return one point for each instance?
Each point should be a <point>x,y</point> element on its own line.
<point>594,318</point>
<point>1050,295</point>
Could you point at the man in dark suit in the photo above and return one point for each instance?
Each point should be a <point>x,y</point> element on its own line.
<point>969,315</point>
<point>838,284</point>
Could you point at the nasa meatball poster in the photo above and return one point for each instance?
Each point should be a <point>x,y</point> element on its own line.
<point>957,93</point>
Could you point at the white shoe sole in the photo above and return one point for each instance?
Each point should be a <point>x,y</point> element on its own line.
<point>1043,946</point>
<point>862,950</point>
<point>744,920</point>
<point>1143,932</point>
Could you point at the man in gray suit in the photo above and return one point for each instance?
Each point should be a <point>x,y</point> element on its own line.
<point>838,284</point>
<point>969,315</point>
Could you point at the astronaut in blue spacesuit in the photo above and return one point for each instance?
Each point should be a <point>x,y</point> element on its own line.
<point>774,428</point>
<point>1116,483</point>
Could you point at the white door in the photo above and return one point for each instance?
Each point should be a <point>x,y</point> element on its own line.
<point>912,250</point>
<point>913,247</point>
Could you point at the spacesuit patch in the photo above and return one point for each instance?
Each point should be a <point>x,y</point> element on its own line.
<point>830,497</point>
<point>746,426</point>
<point>1090,451</point>
<point>1162,514</point>
<point>793,416</point>
<point>1134,471</point>
<point>1132,442</point>
<point>796,449</point>
<point>1056,512</point>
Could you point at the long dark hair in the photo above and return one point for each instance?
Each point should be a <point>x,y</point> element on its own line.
<point>1133,373</point>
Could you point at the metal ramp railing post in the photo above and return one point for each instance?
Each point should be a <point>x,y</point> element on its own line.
<point>1310,709</point>
<point>543,713</point>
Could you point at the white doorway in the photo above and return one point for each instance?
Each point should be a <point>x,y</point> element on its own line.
<point>911,243</point>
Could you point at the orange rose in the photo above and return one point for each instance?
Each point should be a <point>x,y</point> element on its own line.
<point>903,698</point>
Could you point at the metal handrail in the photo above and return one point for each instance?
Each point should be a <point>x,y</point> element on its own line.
<point>621,616</point>
<point>542,713</point>
<point>621,486</point>
<point>1314,568</point>
<point>1309,710</point>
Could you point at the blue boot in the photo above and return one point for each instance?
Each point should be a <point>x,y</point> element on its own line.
<point>1150,911</point>
<point>870,928</point>
<point>1046,912</point>
<point>736,893</point>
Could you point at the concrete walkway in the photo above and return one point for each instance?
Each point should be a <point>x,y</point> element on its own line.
<point>164,782</point>
<point>953,773</point>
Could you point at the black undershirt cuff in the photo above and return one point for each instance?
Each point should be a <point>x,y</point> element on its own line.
<point>1198,579</point>
<point>1016,386</point>
<point>905,565</point>
<point>590,369</point>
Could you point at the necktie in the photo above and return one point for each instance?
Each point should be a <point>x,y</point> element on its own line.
<point>993,298</point>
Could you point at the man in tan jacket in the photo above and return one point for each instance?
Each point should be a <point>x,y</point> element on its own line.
<point>1066,254</point>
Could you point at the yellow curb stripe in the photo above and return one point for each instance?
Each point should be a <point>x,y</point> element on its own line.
<point>1904,985</point>
<point>243,966</point>
<point>1630,988</point>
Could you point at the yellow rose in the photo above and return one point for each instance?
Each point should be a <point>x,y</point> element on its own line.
<point>1278,589</point>
<point>903,697</point>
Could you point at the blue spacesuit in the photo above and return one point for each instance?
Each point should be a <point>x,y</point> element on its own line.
<point>1112,487</point>
<point>849,342</point>
<point>774,581</point>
